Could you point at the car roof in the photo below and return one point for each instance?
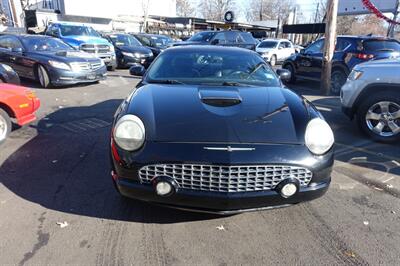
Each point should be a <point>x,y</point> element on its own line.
<point>69,23</point>
<point>205,48</point>
<point>275,40</point>
<point>28,36</point>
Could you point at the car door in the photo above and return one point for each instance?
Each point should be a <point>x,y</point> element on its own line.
<point>5,51</point>
<point>309,61</point>
<point>289,50</point>
<point>281,53</point>
<point>21,63</point>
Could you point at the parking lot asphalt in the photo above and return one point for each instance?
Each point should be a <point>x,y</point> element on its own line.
<point>58,205</point>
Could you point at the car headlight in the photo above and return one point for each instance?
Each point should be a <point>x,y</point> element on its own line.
<point>128,54</point>
<point>112,49</point>
<point>102,62</point>
<point>355,74</point>
<point>138,55</point>
<point>129,133</point>
<point>59,65</point>
<point>319,136</point>
<point>7,68</point>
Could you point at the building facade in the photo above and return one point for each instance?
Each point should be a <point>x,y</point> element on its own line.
<point>100,13</point>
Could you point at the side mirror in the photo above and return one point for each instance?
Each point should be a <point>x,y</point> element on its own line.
<point>17,50</point>
<point>137,70</point>
<point>284,74</point>
<point>280,48</point>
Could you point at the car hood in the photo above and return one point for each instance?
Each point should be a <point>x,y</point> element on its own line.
<point>135,49</point>
<point>85,39</point>
<point>391,62</point>
<point>68,56</point>
<point>263,50</point>
<point>181,113</point>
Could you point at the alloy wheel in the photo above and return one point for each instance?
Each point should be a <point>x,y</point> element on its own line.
<point>383,118</point>
<point>338,79</point>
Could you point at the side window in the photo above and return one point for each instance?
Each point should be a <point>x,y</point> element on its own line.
<point>15,43</point>
<point>248,38</point>
<point>316,47</point>
<point>3,43</point>
<point>7,43</point>
<point>232,37</point>
<point>341,45</point>
<point>288,45</point>
<point>54,31</point>
<point>219,38</point>
<point>282,45</point>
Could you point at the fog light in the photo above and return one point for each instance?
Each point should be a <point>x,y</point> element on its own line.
<point>163,188</point>
<point>288,190</point>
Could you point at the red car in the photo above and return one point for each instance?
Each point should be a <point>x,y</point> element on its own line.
<point>16,102</point>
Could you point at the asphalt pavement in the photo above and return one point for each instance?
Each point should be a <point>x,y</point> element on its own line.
<point>58,205</point>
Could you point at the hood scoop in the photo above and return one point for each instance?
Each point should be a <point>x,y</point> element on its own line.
<point>219,97</point>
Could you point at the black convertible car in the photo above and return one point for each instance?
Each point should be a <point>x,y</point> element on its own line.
<point>204,131</point>
<point>49,60</point>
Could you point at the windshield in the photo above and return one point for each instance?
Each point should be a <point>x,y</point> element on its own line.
<point>45,44</point>
<point>202,37</point>
<point>211,68</point>
<point>377,45</point>
<point>268,44</point>
<point>70,30</point>
<point>161,41</point>
<point>124,40</point>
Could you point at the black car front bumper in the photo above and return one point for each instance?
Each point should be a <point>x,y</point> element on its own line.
<point>217,202</point>
<point>63,77</point>
<point>126,168</point>
<point>127,61</point>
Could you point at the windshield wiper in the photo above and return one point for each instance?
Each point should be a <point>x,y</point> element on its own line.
<point>167,81</point>
<point>235,84</point>
<point>255,69</point>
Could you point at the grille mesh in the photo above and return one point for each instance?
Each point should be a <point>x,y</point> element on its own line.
<point>226,178</point>
<point>84,66</point>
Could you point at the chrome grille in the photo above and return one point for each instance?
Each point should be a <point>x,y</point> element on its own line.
<point>85,66</point>
<point>226,178</point>
<point>95,48</point>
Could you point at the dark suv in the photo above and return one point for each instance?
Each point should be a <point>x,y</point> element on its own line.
<point>223,38</point>
<point>350,51</point>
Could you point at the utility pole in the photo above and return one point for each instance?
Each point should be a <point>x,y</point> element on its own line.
<point>392,27</point>
<point>329,45</point>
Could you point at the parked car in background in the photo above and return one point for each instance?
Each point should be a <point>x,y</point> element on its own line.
<point>222,38</point>
<point>49,60</point>
<point>350,51</point>
<point>372,95</point>
<point>8,75</point>
<point>213,129</point>
<point>157,43</point>
<point>17,103</point>
<point>84,38</point>
<point>275,50</point>
<point>129,50</point>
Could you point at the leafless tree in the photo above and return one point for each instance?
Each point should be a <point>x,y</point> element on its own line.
<point>215,9</point>
<point>269,9</point>
<point>184,8</point>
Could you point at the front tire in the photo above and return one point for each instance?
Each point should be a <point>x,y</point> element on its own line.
<point>43,77</point>
<point>5,126</point>
<point>111,68</point>
<point>379,117</point>
<point>290,68</point>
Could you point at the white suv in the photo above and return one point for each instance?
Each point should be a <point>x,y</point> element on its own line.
<point>372,95</point>
<point>275,50</point>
